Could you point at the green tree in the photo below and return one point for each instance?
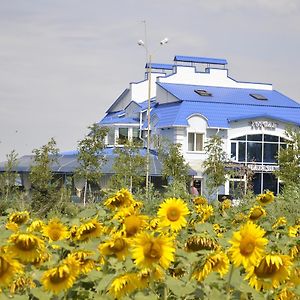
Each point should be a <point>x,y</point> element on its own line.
<point>43,185</point>
<point>8,178</point>
<point>129,166</point>
<point>174,167</point>
<point>289,159</point>
<point>90,156</point>
<point>214,164</point>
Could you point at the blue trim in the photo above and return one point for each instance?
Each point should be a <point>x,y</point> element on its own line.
<point>160,66</point>
<point>203,60</point>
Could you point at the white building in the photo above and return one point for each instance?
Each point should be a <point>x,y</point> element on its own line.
<point>195,98</point>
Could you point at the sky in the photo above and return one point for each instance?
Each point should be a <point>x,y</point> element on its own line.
<point>64,62</point>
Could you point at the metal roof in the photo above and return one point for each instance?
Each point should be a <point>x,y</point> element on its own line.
<point>159,66</point>
<point>224,106</point>
<point>203,60</point>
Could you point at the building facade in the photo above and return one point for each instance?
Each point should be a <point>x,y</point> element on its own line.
<point>195,98</point>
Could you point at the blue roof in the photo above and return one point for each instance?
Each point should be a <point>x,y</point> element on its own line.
<point>203,60</point>
<point>224,106</point>
<point>160,66</point>
<point>186,92</point>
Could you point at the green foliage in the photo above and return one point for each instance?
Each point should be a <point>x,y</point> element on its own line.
<point>8,178</point>
<point>129,166</point>
<point>289,158</point>
<point>214,165</point>
<point>44,186</point>
<point>173,162</point>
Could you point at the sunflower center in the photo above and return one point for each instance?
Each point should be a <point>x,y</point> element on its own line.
<point>173,214</point>
<point>4,266</point>
<point>119,245</point>
<point>256,214</point>
<point>265,271</point>
<point>152,250</point>
<point>89,230</point>
<point>247,247</point>
<point>26,245</point>
<point>132,225</point>
<point>59,276</point>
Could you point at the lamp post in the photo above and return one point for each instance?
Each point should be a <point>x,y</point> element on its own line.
<point>149,71</point>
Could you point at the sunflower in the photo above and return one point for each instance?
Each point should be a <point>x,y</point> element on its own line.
<point>88,230</point>
<point>295,251</point>
<point>122,198</point>
<point>153,224</point>
<point>281,221</point>
<point>36,225</point>
<point>9,266</point>
<point>270,272</point>
<point>219,230</point>
<point>216,262</point>
<point>265,198</point>
<point>86,264</point>
<point>172,213</point>
<point>200,200</point>
<point>294,231</point>
<point>55,230</point>
<point>123,285</point>
<point>226,204</point>
<point>134,224</point>
<point>117,245</point>
<point>286,294</point>
<point>205,211</point>
<point>256,212</point>
<point>248,245</point>
<point>149,250</point>
<point>145,276</point>
<point>45,256</point>
<point>12,226</point>
<point>60,278</point>
<point>26,246</point>
<point>20,217</point>
<point>21,284</point>
<point>198,242</point>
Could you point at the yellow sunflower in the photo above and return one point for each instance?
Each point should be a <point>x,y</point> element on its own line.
<point>216,262</point>
<point>20,217</point>
<point>248,245</point>
<point>286,294</point>
<point>122,198</point>
<point>12,226</point>
<point>205,211</point>
<point>295,251</point>
<point>36,225</point>
<point>219,230</point>
<point>226,204</point>
<point>86,264</point>
<point>55,230</point>
<point>265,198</point>
<point>145,276</point>
<point>149,250</point>
<point>172,213</point>
<point>294,231</point>
<point>9,267</point>
<point>88,230</point>
<point>60,278</point>
<point>26,246</point>
<point>256,212</point>
<point>281,221</point>
<point>200,200</point>
<point>117,245</point>
<point>270,272</point>
<point>199,242</point>
<point>123,285</point>
<point>134,224</point>
<point>21,284</point>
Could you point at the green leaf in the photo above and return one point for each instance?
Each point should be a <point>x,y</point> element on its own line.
<point>174,285</point>
<point>94,275</point>
<point>141,296</point>
<point>87,213</point>
<point>39,293</point>
<point>104,282</point>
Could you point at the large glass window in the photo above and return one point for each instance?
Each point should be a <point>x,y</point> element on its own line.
<point>123,135</point>
<point>254,152</point>
<point>136,135</point>
<point>111,136</point>
<point>195,141</point>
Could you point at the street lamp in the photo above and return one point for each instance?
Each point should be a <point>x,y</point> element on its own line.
<point>149,71</point>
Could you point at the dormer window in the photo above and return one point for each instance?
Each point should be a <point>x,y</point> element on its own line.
<point>259,97</point>
<point>203,93</point>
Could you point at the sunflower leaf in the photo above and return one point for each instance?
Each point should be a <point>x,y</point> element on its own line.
<point>87,213</point>
<point>39,293</point>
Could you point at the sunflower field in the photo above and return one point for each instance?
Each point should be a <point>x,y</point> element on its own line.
<point>182,250</point>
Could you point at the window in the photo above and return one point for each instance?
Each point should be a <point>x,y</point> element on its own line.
<point>203,93</point>
<point>111,136</point>
<point>123,135</point>
<point>259,97</point>
<point>136,135</point>
<point>195,141</point>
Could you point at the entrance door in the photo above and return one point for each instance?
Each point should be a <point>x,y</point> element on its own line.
<point>264,181</point>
